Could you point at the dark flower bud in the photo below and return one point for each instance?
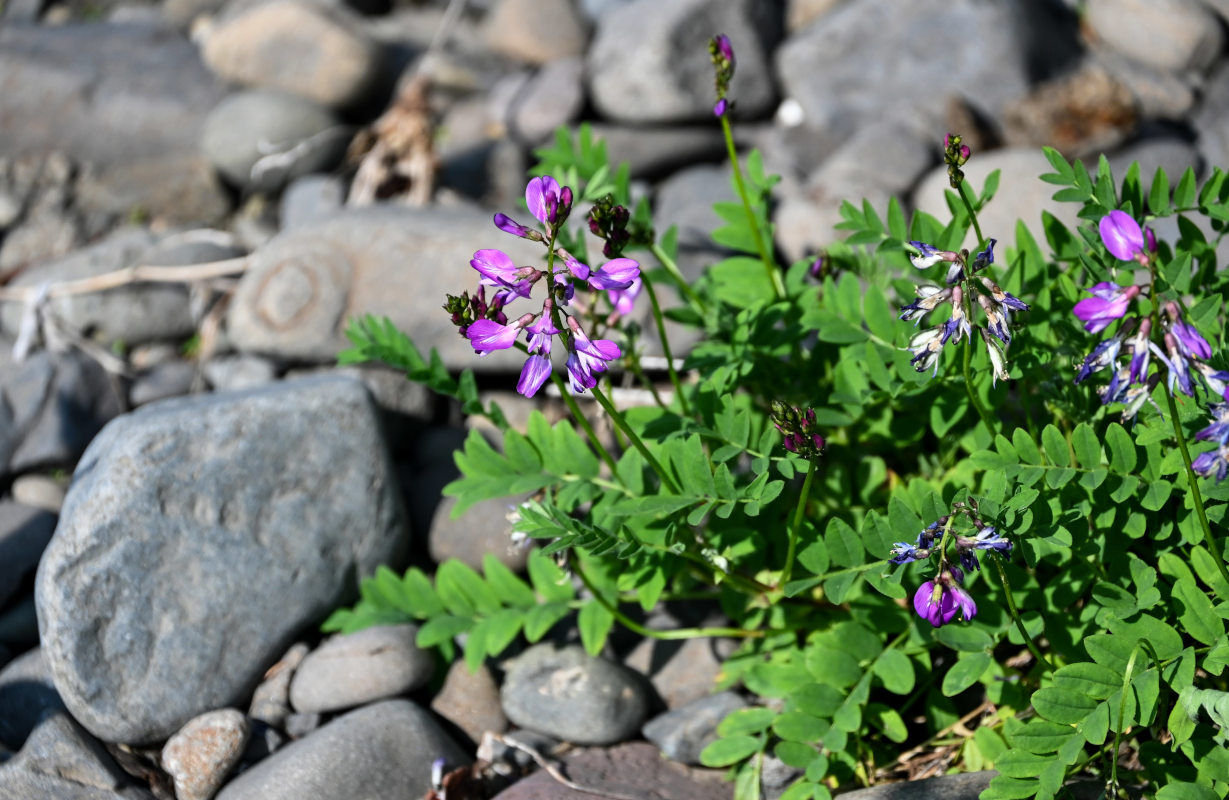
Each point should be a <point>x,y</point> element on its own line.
<point>799,431</point>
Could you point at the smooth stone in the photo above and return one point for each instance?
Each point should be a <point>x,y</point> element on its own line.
<point>681,671</point>
<point>163,381</point>
<point>200,535</point>
<point>310,199</point>
<point>636,769</point>
<point>39,491</point>
<point>652,152</point>
<point>1084,112</point>
<point>470,700</point>
<point>27,693</point>
<point>271,700</point>
<point>299,725</point>
<point>1169,153</point>
<point>356,668</point>
<point>682,733</point>
<point>551,98</point>
<point>24,533</point>
<point>1211,120</point>
<point>303,288</point>
<point>483,528</point>
<point>261,139</point>
<point>133,314</point>
<point>823,66</point>
<point>660,73</point>
<point>42,224</point>
<point>56,403</point>
<point>1158,94</point>
<point>965,786</point>
<point>1173,35</point>
<point>307,49</point>
<point>61,760</point>
<point>800,13</point>
<point>172,189</point>
<point>232,373</point>
<point>569,694</point>
<point>201,753</point>
<point>685,200</point>
<point>379,752</point>
<point>1021,196</point>
<point>534,31</point>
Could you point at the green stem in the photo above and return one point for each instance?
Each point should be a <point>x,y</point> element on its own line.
<point>602,452</point>
<point>799,513</point>
<point>774,275</point>
<point>634,365</point>
<point>973,398</point>
<point>635,627</point>
<point>1015,613</point>
<point>964,198</point>
<point>1193,482</point>
<point>665,348</point>
<point>622,425</point>
<point>680,281</point>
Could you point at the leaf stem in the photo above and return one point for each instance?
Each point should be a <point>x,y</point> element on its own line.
<point>1015,613</point>
<point>668,264</point>
<point>968,385</point>
<point>665,348</point>
<point>968,206</point>
<point>622,425</point>
<point>774,275</point>
<point>796,523</point>
<point>602,452</point>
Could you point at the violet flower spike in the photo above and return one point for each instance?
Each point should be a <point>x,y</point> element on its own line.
<point>1109,302</point>
<point>1212,464</point>
<point>725,48</point>
<point>938,601</point>
<point>1122,236</point>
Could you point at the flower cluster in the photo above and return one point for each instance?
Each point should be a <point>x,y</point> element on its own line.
<point>961,293</point>
<point>1128,352</point>
<point>938,600</point>
<point>486,325</point>
<point>955,153</point>
<point>722,53</point>
<point>798,427</point>
<point>1215,462</point>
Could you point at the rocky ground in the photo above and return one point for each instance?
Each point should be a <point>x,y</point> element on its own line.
<point>189,487</point>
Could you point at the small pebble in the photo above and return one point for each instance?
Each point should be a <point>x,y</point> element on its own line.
<point>201,754</point>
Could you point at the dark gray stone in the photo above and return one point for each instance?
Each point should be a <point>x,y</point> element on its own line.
<point>302,289</point>
<point>61,760</point>
<point>823,67</point>
<point>661,72</point>
<point>567,693</point>
<point>680,671</point>
<point>966,786</point>
<point>26,694</point>
<point>534,31</point>
<point>552,97</point>
<point>311,199</point>
<point>199,535</point>
<point>57,402</point>
<point>262,139</point>
<point>132,314</point>
<point>1174,35</point>
<point>24,533</point>
<point>352,669</point>
<point>651,152</point>
<point>682,733</point>
<point>231,373</point>
<point>168,379</point>
<point>381,751</point>
<point>482,529</point>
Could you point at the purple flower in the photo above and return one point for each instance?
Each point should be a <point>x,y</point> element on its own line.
<point>928,299</point>
<point>535,372</point>
<point>542,196</point>
<point>1192,343</point>
<point>903,553</point>
<point>925,347</point>
<point>616,274</point>
<point>1216,381</point>
<point>930,255</point>
<point>1140,351</point>
<point>1214,463</point>
<point>1104,354</point>
<point>986,257</point>
<point>509,225</point>
<point>1179,366</point>
<point>588,357</point>
<point>1108,303</point>
<point>725,48</point>
<point>721,107</point>
<point>939,600</point>
<point>1218,430</point>
<point>1001,297</point>
<point>624,300</point>
<point>487,335</point>
<point>1123,237</point>
<point>541,331</point>
<point>496,267</point>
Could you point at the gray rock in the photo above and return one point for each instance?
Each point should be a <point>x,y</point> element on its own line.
<point>470,700</point>
<point>552,97</point>
<point>1211,120</point>
<point>800,13</point>
<point>40,221</point>
<point>132,314</point>
<point>682,733</point>
<point>173,189</point>
<point>302,289</point>
<point>357,668</point>
<point>264,742</point>
<point>482,529</point>
<point>23,11</point>
<point>1080,113</point>
<point>261,139</point>
<point>39,491</point>
<point>315,51</point>
<point>199,756</point>
<point>567,693</point>
<point>822,66</point>
<point>636,770</point>
<point>299,725</point>
<point>1158,93</point>
<point>311,199</point>
<point>654,151</point>
<point>661,72</point>
<point>1173,35</point>
<point>57,402</point>
<point>1021,194</point>
<point>199,535</point>
<point>182,14</point>
<point>61,760</point>
<point>681,671</point>
<point>24,533</point>
<point>1170,153</point>
<point>685,199</point>
<point>534,31</point>
<point>271,700</point>
<point>169,379</point>
<point>232,373</point>
<point>966,786</point>
<point>776,776</point>
<point>26,695</point>
<point>381,751</point>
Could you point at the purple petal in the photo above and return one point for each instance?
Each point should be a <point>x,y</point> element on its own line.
<point>486,335</point>
<point>495,265</point>
<point>616,274</point>
<point>537,194</point>
<point>1190,338</point>
<point>1121,235</point>
<point>535,372</point>
<point>624,301</point>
